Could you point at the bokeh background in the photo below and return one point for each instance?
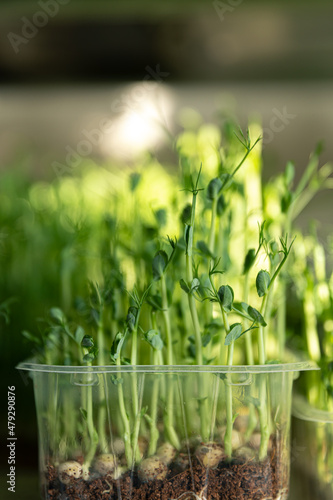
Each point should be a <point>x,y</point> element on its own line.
<point>149,67</point>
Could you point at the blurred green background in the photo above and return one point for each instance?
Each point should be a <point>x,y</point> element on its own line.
<point>80,62</point>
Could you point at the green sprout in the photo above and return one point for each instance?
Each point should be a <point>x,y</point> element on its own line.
<point>214,295</point>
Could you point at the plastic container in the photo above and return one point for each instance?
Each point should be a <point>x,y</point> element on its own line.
<point>177,432</point>
<point>313,457</point>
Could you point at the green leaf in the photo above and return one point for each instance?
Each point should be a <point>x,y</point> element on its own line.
<point>188,235</point>
<point>143,411</point>
<point>116,379</point>
<point>249,260</point>
<point>195,285</point>
<point>221,205</point>
<point>160,262</point>
<point>79,334</point>
<point>57,315</point>
<point>153,337</point>
<point>256,316</point>
<point>131,317</point>
<point>84,414</point>
<point>135,178</point>
<point>172,242</point>
<point>214,269</point>
<point>184,286</point>
<point>87,342</point>
<point>226,179</point>
<point>87,358</point>
<point>117,345</point>
<point>214,187</point>
<point>155,301</point>
<point>234,334</point>
<point>202,246</point>
<point>186,214</point>
<point>226,297</point>
<point>30,337</point>
<point>286,201</point>
<point>206,338</point>
<point>161,217</point>
<point>289,174</point>
<point>262,283</point>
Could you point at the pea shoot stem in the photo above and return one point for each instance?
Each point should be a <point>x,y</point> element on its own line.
<point>126,423</point>
<point>212,232</point>
<point>228,432</point>
<point>102,409</point>
<point>93,435</point>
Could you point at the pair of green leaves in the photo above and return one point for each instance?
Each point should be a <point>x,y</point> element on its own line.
<point>159,265</point>
<point>190,288</point>
<point>249,313</point>
<point>161,260</point>
<point>226,298</point>
<point>116,347</point>
<point>88,343</point>
<point>131,317</point>
<point>214,189</point>
<point>236,331</point>
<point>58,317</point>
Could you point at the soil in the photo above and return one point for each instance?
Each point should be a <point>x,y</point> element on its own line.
<point>235,480</point>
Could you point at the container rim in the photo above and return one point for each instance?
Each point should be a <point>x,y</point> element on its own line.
<point>303,410</point>
<point>33,366</point>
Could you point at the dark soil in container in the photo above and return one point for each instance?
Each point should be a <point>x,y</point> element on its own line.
<point>235,480</point>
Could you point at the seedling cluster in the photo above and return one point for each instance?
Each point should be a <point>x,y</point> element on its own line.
<point>182,270</point>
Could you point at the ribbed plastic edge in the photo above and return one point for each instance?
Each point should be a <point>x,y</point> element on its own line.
<point>33,366</point>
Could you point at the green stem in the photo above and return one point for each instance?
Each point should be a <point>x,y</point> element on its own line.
<point>101,389</point>
<point>263,418</point>
<point>93,435</point>
<point>282,309</point>
<point>261,337</point>
<point>154,434</point>
<point>212,232</point>
<point>136,429</point>
<point>126,423</point>
<point>189,278</point>
<point>222,355</point>
<point>214,409</point>
<point>248,336</point>
<point>228,432</point>
<point>262,409</point>
<point>167,323</point>
<point>169,417</point>
<point>195,322</point>
<point>211,246</point>
<point>281,319</point>
<point>134,350</point>
<point>134,381</point>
